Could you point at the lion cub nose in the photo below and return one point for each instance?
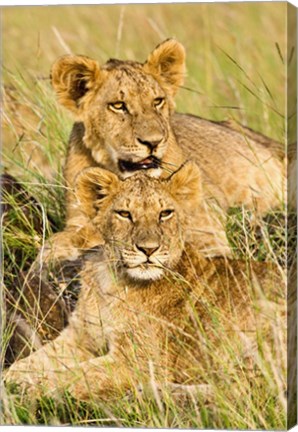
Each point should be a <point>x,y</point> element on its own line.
<point>148,251</point>
<point>151,143</point>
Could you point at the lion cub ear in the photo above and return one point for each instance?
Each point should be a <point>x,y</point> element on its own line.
<point>185,185</point>
<point>93,187</point>
<point>167,64</point>
<point>72,77</point>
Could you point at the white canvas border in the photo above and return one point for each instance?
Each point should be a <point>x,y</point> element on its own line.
<point>105,2</point>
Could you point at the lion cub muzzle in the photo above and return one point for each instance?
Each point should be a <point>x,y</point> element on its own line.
<point>151,143</point>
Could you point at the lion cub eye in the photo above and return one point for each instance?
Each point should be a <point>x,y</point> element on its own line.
<point>117,106</point>
<point>166,214</point>
<point>158,102</point>
<point>124,214</point>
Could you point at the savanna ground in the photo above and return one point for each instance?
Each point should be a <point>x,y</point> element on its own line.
<point>237,59</point>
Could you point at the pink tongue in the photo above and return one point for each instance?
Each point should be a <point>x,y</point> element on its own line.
<point>145,161</point>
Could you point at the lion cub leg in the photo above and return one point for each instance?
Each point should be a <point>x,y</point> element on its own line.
<point>78,233</point>
<point>44,370</point>
<point>107,378</point>
<point>102,378</point>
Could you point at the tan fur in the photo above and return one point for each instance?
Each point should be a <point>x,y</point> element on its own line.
<point>148,302</point>
<point>238,167</point>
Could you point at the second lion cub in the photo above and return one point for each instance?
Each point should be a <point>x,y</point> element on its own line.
<point>150,304</point>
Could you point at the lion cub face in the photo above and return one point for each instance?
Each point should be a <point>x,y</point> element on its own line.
<point>143,220</point>
<point>125,106</point>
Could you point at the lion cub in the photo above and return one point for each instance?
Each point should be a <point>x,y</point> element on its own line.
<point>125,122</point>
<point>150,304</point>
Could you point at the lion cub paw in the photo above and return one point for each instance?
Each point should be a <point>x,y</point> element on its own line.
<point>68,245</point>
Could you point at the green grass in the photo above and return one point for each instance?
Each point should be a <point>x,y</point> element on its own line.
<point>236,70</point>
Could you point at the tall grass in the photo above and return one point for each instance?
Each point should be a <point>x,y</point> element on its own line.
<point>236,70</point>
